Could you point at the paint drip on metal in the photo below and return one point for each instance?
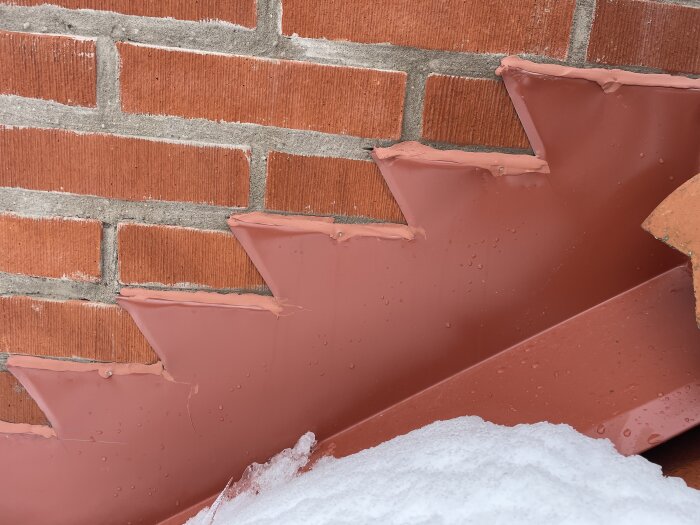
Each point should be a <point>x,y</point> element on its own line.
<point>522,289</point>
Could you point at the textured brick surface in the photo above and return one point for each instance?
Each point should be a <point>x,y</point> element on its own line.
<point>470,111</point>
<point>494,26</point>
<point>71,328</point>
<point>299,95</point>
<point>121,167</point>
<point>50,67</point>
<point>177,256</point>
<point>50,247</point>
<point>320,185</point>
<point>645,33</point>
<point>241,12</point>
<point>16,406</point>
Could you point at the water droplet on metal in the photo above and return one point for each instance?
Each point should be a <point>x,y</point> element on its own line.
<point>653,439</point>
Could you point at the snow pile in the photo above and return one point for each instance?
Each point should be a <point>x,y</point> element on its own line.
<point>463,471</point>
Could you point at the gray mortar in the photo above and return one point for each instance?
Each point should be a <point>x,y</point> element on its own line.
<point>265,41</point>
<point>582,22</point>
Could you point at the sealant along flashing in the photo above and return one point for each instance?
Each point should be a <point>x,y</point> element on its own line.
<point>105,370</point>
<point>44,431</point>
<point>608,79</point>
<point>497,163</point>
<point>338,232</point>
<point>201,298</point>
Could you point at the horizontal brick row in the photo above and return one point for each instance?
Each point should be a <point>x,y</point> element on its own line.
<point>328,186</point>
<point>60,248</point>
<point>481,26</point>
<point>122,167</point>
<point>470,111</point>
<point>16,405</point>
<point>289,94</point>
<point>49,67</point>
<point>182,256</point>
<point>241,12</point>
<point>643,33</point>
<point>102,332</point>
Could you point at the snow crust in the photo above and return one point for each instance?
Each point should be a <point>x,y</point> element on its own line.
<point>462,471</point>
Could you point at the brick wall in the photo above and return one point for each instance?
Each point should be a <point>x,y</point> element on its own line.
<point>129,131</point>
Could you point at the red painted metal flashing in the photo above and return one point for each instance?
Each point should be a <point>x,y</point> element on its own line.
<point>500,252</point>
<point>614,371</point>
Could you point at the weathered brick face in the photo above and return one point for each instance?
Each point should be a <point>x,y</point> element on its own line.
<point>298,95</point>
<point>55,68</point>
<point>183,257</point>
<point>645,33</point>
<point>470,111</point>
<point>88,330</point>
<point>128,133</point>
<point>122,167</point>
<point>328,186</point>
<point>524,26</point>
<point>60,248</point>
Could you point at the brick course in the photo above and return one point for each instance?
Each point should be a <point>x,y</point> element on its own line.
<point>122,167</point>
<point>470,111</point>
<point>298,95</point>
<point>328,186</point>
<point>481,26</point>
<point>636,32</point>
<point>62,248</point>
<point>50,67</point>
<point>182,256</point>
<point>71,329</point>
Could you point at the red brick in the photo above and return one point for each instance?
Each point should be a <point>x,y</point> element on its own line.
<point>49,67</point>
<point>321,185</point>
<point>241,12</point>
<point>299,95</point>
<point>482,26</point>
<point>176,256</point>
<point>122,167</point>
<point>641,33</point>
<point>63,248</point>
<point>470,111</point>
<point>102,332</point>
<point>16,405</point>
